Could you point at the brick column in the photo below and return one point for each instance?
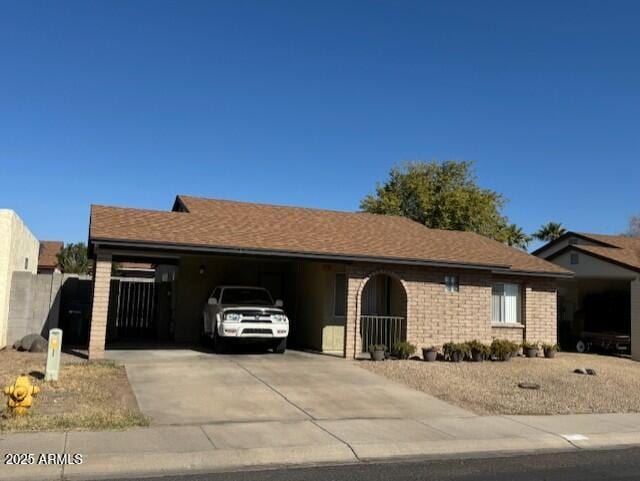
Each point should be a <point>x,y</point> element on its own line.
<point>352,340</point>
<point>100,307</point>
<point>635,319</point>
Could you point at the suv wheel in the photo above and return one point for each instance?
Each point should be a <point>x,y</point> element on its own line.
<point>219,344</point>
<point>280,346</point>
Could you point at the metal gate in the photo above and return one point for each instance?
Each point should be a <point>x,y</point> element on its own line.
<point>132,313</point>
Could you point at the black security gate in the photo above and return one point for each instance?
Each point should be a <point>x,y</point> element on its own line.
<point>132,310</point>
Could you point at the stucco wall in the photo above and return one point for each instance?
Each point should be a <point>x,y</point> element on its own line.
<point>435,316</point>
<point>592,267</point>
<point>17,243</point>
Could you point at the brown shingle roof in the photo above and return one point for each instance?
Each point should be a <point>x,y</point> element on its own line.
<point>47,256</point>
<point>234,225</point>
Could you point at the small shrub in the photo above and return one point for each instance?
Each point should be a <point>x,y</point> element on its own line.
<point>404,349</point>
<point>503,349</point>
<point>550,347</point>
<point>529,345</point>
<point>478,348</point>
<point>377,347</point>
<point>451,348</point>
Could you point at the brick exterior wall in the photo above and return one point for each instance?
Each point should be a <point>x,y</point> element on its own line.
<point>100,306</point>
<point>435,316</point>
<point>541,307</point>
<point>635,319</point>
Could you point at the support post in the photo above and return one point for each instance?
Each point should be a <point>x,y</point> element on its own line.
<point>100,306</point>
<point>635,319</point>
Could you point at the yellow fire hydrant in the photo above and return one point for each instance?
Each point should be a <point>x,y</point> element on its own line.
<point>20,395</point>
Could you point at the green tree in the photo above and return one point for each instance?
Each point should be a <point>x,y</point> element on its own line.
<point>442,195</point>
<point>634,226</point>
<point>549,231</point>
<point>73,259</point>
<point>516,237</point>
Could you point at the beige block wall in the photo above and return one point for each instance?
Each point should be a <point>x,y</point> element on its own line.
<point>435,316</point>
<point>17,243</point>
<point>635,319</point>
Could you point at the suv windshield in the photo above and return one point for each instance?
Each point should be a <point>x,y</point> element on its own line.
<point>254,297</point>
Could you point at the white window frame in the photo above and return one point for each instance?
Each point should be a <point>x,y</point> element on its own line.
<point>451,284</point>
<point>502,294</point>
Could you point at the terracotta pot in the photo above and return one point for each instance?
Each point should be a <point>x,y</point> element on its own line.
<point>377,355</point>
<point>429,355</point>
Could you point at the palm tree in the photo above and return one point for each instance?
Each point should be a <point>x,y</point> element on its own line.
<point>73,259</point>
<point>549,231</point>
<point>515,237</point>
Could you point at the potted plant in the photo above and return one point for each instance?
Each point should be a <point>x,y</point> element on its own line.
<point>377,352</point>
<point>479,351</point>
<point>530,349</point>
<point>550,350</point>
<point>430,354</point>
<point>503,349</point>
<point>455,352</point>
<point>404,349</point>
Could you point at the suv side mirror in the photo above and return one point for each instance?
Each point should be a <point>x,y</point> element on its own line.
<point>279,303</point>
<point>212,301</point>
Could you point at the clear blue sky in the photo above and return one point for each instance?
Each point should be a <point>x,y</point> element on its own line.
<point>310,103</point>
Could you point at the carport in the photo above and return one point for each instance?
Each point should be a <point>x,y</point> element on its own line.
<point>184,281</point>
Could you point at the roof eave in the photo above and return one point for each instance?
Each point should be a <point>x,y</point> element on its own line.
<point>119,243</point>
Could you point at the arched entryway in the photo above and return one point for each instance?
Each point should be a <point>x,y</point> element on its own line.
<point>383,311</point>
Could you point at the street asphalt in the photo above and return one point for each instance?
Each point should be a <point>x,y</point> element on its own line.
<point>611,465</point>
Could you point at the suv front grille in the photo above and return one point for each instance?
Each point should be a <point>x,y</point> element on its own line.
<point>256,331</point>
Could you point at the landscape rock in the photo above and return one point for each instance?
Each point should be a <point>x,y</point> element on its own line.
<point>528,385</point>
<point>27,341</point>
<point>39,344</point>
<point>580,370</point>
<point>591,372</point>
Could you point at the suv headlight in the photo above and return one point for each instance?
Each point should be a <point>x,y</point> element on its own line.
<point>232,316</point>
<point>278,318</point>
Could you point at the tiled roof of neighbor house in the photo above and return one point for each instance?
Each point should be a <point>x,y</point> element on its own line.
<point>619,249</point>
<point>47,256</point>
<point>248,227</point>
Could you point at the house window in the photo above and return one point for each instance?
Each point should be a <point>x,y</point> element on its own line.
<point>574,258</point>
<point>26,263</point>
<point>451,284</point>
<point>505,303</point>
<point>340,297</point>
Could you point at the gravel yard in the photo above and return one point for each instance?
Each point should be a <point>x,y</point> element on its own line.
<point>492,387</point>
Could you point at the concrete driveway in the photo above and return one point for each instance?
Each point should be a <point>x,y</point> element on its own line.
<point>180,387</point>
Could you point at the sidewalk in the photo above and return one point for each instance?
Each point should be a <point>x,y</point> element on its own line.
<point>230,446</point>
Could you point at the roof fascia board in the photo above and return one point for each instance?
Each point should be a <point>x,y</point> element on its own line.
<point>109,244</point>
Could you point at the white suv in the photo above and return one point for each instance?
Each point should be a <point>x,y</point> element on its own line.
<point>247,313</point>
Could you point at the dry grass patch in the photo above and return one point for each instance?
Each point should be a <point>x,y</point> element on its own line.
<point>492,387</point>
<point>86,396</point>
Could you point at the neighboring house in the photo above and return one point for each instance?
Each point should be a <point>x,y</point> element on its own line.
<point>347,279</point>
<point>48,256</point>
<point>18,252</point>
<point>604,295</point>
